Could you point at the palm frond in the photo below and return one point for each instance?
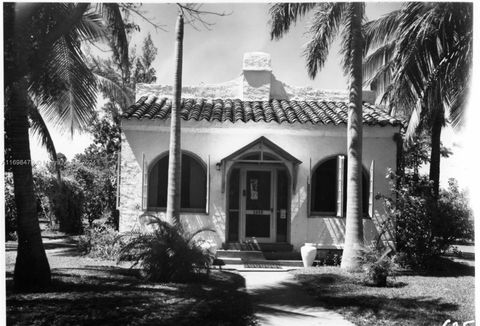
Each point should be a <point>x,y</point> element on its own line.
<point>40,130</point>
<point>91,27</point>
<point>109,86</point>
<point>381,31</point>
<point>113,16</point>
<point>380,59</point>
<point>324,27</point>
<point>72,106</point>
<point>283,15</point>
<point>414,121</point>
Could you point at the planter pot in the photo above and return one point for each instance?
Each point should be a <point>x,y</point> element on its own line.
<point>308,251</point>
<point>379,280</point>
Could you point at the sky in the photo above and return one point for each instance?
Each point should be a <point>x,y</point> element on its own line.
<point>214,55</point>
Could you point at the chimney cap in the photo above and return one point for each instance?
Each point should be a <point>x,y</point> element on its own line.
<point>257,61</point>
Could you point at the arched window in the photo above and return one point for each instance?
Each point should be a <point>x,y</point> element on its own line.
<point>328,190</point>
<point>193,188</point>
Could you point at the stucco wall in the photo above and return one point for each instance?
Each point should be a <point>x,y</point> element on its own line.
<point>216,140</point>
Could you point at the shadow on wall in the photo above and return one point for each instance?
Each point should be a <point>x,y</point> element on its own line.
<point>336,228</point>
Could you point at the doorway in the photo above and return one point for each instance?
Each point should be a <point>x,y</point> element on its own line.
<point>258,204</point>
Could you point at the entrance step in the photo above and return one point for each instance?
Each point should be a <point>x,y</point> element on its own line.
<point>258,246</point>
<point>243,254</point>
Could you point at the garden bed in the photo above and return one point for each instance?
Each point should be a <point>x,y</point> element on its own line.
<point>408,300</point>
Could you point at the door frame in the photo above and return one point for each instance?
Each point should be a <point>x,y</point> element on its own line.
<point>243,203</point>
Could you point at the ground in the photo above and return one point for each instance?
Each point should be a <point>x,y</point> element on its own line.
<point>87,292</point>
<point>408,299</point>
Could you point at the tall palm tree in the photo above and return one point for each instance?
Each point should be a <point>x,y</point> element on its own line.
<point>421,66</point>
<point>174,159</point>
<point>44,66</point>
<point>327,19</point>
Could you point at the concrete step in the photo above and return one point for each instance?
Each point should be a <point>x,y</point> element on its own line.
<point>245,254</point>
<point>258,246</point>
<point>240,261</point>
<point>283,255</point>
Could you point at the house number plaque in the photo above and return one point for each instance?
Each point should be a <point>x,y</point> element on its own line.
<point>283,214</point>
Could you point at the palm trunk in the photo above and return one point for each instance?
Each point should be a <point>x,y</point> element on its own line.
<point>174,161</point>
<point>32,270</point>
<point>435,153</point>
<point>354,223</point>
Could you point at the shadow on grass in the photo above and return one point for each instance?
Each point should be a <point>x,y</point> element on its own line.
<point>367,305</point>
<point>114,296</point>
<point>445,267</point>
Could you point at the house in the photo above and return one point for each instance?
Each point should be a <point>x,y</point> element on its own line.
<point>261,160</point>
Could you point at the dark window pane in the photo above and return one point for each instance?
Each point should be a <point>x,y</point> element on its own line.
<point>233,224</point>
<point>324,187</point>
<point>193,183</point>
<point>251,156</point>
<point>234,189</point>
<point>257,226</point>
<point>282,205</point>
<point>258,190</point>
<point>157,184</point>
<point>269,157</point>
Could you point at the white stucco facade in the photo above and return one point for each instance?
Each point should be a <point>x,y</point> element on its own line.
<point>144,140</point>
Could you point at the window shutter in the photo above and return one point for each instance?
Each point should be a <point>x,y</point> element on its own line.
<point>340,190</point>
<point>208,186</point>
<point>370,189</point>
<point>119,164</point>
<point>144,182</point>
<point>309,191</point>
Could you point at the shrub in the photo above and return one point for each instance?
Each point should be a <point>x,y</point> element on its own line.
<point>101,240</point>
<point>424,227</point>
<point>377,266</point>
<point>10,209</point>
<point>168,253</point>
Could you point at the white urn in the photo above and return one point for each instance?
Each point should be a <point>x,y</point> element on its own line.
<point>308,251</point>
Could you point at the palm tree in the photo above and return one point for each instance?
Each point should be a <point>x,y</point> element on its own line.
<point>421,66</point>
<point>327,19</point>
<point>44,66</point>
<point>174,159</point>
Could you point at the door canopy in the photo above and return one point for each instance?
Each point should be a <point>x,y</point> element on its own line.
<point>262,152</point>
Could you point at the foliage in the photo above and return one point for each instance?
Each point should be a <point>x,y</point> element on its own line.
<point>425,228</point>
<point>377,266</point>
<point>95,170</point>
<point>456,216</point>
<point>168,253</point>
<point>10,209</point>
<point>101,240</point>
<point>62,204</point>
<point>332,258</point>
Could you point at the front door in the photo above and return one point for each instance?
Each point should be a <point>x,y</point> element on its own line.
<point>257,205</point>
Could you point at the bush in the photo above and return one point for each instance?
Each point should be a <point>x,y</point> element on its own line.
<point>168,253</point>
<point>101,241</point>
<point>62,204</point>
<point>424,227</point>
<point>10,209</point>
<point>377,266</point>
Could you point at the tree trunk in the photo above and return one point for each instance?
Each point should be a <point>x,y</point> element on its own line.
<point>175,155</point>
<point>354,223</point>
<point>32,270</point>
<point>435,153</point>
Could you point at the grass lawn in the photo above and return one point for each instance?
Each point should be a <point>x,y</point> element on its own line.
<point>94,292</point>
<point>408,300</point>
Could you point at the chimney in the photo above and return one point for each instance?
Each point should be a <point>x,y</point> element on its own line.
<point>257,76</point>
